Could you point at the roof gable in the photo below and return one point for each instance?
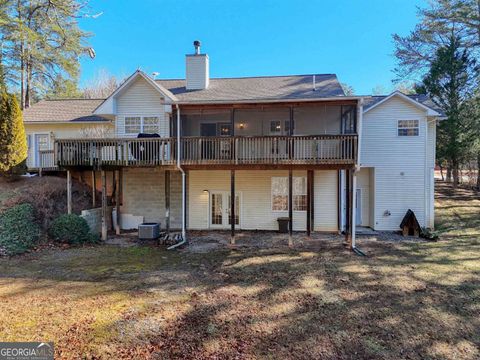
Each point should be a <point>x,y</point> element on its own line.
<point>109,107</point>
<point>377,101</point>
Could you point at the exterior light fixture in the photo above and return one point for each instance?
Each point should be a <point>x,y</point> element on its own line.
<point>241,125</point>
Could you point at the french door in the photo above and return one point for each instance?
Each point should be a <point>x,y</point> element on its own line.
<point>42,142</point>
<point>220,214</point>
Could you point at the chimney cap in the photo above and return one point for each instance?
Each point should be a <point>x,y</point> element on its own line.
<point>197,44</point>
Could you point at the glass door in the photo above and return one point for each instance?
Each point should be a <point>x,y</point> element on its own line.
<point>220,214</point>
<point>41,143</point>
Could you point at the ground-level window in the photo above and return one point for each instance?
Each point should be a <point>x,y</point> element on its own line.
<point>407,127</point>
<point>280,194</point>
<point>139,124</point>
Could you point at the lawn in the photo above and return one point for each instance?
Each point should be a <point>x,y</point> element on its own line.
<point>408,300</point>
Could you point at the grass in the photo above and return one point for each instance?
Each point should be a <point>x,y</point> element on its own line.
<point>409,300</point>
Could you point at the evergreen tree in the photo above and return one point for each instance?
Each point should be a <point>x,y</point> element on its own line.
<point>13,141</point>
<point>42,40</point>
<point>449,85</point>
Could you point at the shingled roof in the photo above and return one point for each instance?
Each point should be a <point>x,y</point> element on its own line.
<point>65,110</point>
<point>291,87</point>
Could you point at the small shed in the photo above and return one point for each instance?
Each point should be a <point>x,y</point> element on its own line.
<point>410,225</point>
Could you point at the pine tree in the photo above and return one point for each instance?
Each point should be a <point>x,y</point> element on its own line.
<point>42,39</point>
<point>449,85</point>
<point>13,141</point>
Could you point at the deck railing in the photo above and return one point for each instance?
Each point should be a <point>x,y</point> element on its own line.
<point>268,150</point>
<point>116,152</point>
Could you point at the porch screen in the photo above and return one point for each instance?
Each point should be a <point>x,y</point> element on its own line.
<point>280,194</point>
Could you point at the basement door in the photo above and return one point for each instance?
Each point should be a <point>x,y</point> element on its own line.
<point>220,213</point>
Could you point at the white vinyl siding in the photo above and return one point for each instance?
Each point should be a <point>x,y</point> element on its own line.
<point>140,99</point>
<point>255,188</point>
<point>398,162</point>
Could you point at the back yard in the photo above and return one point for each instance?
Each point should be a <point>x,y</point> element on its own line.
<point>408,300</point>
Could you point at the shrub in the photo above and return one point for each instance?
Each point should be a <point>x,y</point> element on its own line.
<point>18,230</point>
<point>71,229</point>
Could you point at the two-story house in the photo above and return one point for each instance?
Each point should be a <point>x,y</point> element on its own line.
<point>240,153</point>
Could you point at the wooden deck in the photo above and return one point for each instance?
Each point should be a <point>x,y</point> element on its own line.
<point>201,152</point>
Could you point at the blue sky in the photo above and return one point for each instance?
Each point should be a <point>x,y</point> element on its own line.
<point>351,38</point>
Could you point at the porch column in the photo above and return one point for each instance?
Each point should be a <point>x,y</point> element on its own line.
<point>290,208</point>
<point>167,201</point>
<point>69,192</point>
<point>339,200</point>
<point>184,206</point>
<point>94,189</point>
<point>309,202</point>
<point>104,205</point>
<point>117,200</point>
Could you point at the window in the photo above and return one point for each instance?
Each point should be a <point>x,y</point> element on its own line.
<point>275,126</point>
<point>300,194</point>
<point>133,125</point>
<point>138,124</point>
<point>150,124</point>
<point>287,126</point>
<point>224,129</point>
<point>280,194</point>
<point>407,127</point>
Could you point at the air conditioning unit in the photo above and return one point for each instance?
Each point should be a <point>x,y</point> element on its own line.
<point>149,231</point>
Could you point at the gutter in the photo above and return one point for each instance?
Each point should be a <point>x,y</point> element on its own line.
<point>184,187</point>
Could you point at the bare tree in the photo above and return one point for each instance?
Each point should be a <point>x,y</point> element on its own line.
<point>101,86</point>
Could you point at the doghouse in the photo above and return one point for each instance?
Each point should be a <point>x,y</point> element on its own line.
<point>410,225</point>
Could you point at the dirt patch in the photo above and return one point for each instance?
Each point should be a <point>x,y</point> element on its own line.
<point>47,194</point>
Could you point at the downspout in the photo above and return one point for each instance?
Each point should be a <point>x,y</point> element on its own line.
<point>184,186</point>
<point>354,180</point>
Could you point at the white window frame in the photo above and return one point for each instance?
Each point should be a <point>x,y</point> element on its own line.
<point>142,123</point>
<point>293,188</point>
<point>412,124</point>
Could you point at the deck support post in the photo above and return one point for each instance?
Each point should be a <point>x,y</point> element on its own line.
<point>309,202</point>
<point>290,208</point>
<point>167,201</point>
<point>117,201</point>
<point>69,192</point>
<point>104,205</point>
<point>184,206</point>
<point>94,189</point>
<point>232,207</point>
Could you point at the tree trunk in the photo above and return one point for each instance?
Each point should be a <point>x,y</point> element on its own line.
<point>441,172</point>
<point>28,87</point>
<point>455,173</point>
<point>22,80</point>
<point>478,171</point>
<point>449,173</point>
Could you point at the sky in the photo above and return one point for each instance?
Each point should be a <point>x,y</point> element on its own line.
<point>351,38</point>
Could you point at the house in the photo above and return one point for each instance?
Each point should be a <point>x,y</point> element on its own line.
<point>48,120</point>
<point>239,153</point>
